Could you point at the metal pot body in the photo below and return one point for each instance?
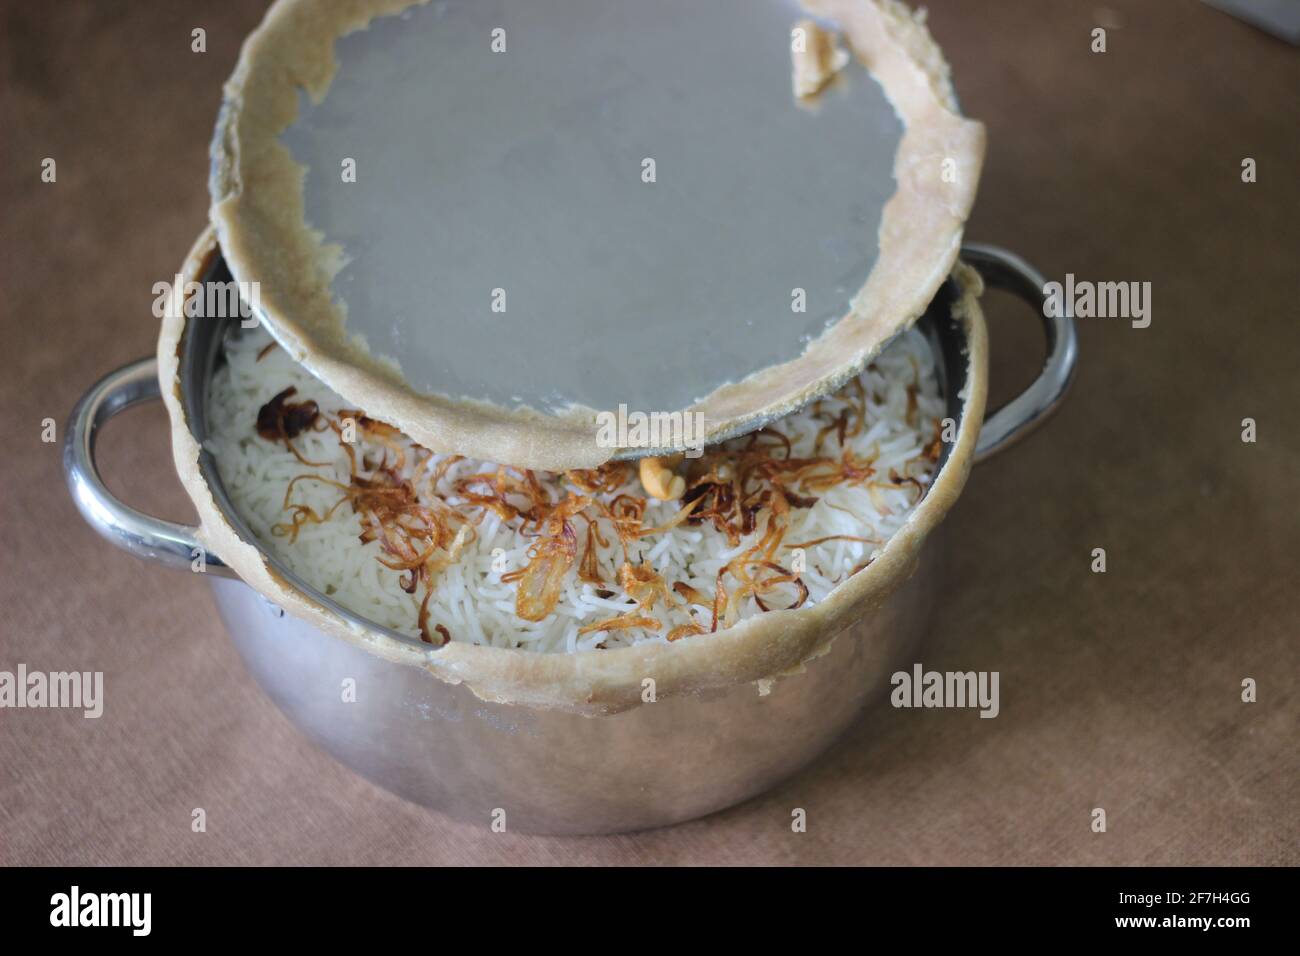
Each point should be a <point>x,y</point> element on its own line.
<point>540,771</point>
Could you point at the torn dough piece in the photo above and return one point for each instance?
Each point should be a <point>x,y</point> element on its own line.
<point>817,56</point>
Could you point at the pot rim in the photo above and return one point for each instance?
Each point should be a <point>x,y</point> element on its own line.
<point>761,648</point>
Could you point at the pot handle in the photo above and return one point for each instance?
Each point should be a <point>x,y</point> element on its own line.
<point>166,542</point>
<point>1004,426</point>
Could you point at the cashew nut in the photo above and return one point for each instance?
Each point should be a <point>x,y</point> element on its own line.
<point>816,60</point>
<point>659,480</point>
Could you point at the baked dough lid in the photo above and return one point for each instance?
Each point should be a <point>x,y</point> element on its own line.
<point>675,296</point>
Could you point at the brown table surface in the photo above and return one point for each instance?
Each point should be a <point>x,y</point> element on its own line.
<point>1119,690</point>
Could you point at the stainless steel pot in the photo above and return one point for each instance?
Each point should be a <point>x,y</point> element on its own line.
<point>438,744</point>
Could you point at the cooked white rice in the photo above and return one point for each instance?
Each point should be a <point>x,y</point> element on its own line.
<point>470,599</point>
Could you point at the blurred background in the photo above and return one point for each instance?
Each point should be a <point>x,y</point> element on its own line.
<point>1119,690</point>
